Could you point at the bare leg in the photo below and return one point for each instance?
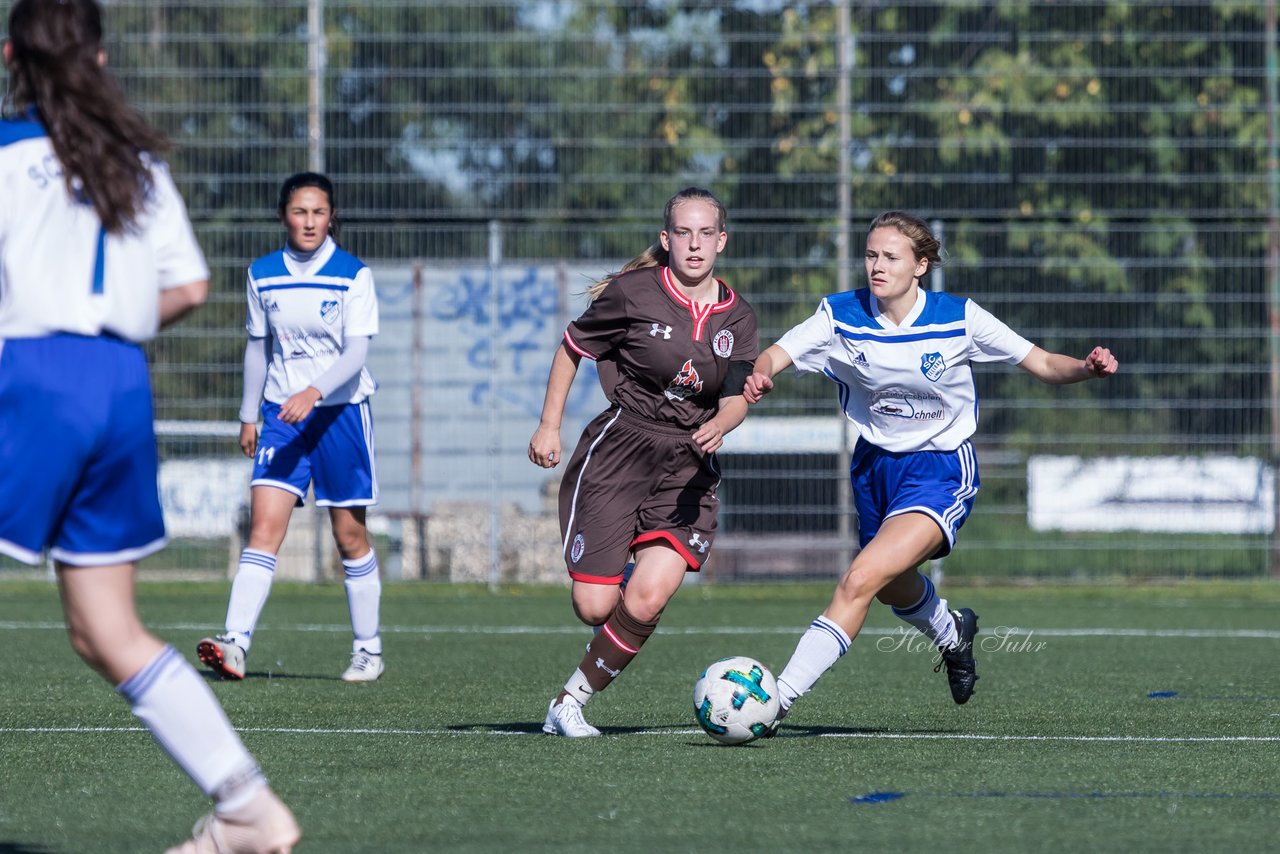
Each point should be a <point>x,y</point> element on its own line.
<point>888,563</point>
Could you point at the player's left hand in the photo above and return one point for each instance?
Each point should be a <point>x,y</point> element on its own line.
<point>299,406</point>
<point>1100,362</point>
<point>709,437</point>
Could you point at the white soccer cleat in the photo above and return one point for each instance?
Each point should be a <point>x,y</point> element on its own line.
<point>566,719</point>
<point>365,667</point>
<point>222,656</point>
<point>262,826</point>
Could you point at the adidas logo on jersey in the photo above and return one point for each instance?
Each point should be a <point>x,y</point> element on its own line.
<point>861,360</point>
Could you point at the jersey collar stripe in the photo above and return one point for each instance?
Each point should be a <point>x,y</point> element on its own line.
<point>304,278</point>
<point>700,318</point>
<point>699,315</point>
<point>319,286</point>
<point>890,339</point>
<point>669,281</point>
<point>728,302</point>
<point>673,290</point>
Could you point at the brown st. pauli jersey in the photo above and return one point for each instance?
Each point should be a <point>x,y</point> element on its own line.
<point>670,358</point>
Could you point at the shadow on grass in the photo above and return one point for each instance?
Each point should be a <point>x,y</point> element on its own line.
<point>23,848</point>
<point>789,731</point>
<point>530,728</point>
<point>210,676</point>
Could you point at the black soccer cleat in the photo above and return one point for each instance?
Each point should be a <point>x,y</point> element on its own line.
<point>962,672</point>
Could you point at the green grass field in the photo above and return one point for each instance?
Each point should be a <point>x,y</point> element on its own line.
<point>1139,718</point>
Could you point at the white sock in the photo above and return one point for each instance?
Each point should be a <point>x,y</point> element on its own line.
<point>364,594</point>
<point>176,705</point>
<point>249,591</point>
<point>931,617</point>
<point>819,649</point>
<point>578,689</point>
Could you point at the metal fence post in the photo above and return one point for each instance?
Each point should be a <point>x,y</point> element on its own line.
<point>495,444</point>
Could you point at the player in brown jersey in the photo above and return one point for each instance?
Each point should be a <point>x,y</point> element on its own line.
<point>642,480</point>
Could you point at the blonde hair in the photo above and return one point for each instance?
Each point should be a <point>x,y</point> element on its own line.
<point>915,229</point>
<point>655,255</point>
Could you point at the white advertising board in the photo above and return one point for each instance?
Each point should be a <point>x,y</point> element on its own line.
<point>1182,495</point>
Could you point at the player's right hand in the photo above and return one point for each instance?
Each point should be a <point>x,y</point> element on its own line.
<point>544,448</point>
<point>756,387</point>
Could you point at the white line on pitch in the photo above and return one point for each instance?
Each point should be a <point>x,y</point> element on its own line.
<point>869,736</point>
<point>1003,631</point>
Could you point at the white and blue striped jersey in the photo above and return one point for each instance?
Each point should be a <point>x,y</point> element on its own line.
<point>906,387</point>
<point>308,307</point>
<point>60,271</point>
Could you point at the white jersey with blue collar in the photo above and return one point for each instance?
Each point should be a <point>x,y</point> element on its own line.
<point>308,306</point>
<point>60,271</point>
<point>908,386</point>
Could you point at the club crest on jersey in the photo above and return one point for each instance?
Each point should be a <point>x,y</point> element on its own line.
<point>722,344</point>
<point>329,310</point>
<point>932,366</point>
<point>579,546</point>
<point>686,384</point>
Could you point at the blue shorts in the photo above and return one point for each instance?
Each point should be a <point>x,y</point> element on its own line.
<point>77,451</point>
<point>332,449</point>
<point>939,484</point>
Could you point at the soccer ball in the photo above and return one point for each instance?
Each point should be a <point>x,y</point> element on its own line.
<point>735,700</point>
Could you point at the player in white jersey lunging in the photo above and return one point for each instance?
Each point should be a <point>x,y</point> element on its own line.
<point>96,253</point>
<point>901,358</point>
<point>312,312</point>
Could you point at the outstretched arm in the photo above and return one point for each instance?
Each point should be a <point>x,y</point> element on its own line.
<point>544,447</point>
<point>769,364</point>
<point>1059,369</point>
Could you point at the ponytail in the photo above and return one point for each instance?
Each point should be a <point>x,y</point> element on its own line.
<point>655,255</point>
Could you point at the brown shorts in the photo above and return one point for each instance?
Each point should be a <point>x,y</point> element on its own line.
<point>632,481</point>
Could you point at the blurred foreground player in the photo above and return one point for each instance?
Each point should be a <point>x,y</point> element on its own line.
<point>96,253</point>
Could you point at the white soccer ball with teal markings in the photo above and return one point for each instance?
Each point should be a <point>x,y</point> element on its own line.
<point>735,700</point>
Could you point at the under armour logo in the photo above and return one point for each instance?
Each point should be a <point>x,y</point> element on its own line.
<point>698,543</point>
<point>614,673</point>
<point>657,329</point>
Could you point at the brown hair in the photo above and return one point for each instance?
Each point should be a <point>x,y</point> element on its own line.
<point>655,255</point>
<point>56,70</point>
<point>915,229</point>
<point>302,180</point>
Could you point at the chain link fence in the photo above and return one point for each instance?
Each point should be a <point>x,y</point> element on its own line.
<point>1101,172</point>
